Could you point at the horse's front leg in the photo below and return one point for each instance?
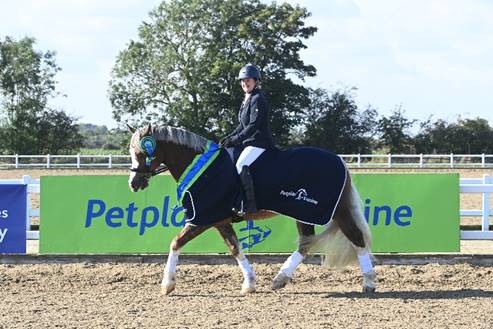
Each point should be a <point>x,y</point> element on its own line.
<point>231,240</point>
<point>189,232</point>
<point>287,269</point>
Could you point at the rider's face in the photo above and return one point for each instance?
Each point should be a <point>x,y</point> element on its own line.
<point>247,85</point>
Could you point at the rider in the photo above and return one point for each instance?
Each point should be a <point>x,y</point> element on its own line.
<point>253,133</point>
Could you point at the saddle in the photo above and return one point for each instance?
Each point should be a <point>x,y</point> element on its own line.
<point>304,183</point>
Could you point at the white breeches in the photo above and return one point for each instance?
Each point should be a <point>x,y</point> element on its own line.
<point>248,156</point>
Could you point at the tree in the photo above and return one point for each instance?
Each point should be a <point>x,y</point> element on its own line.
<point>182,69</point>
<point>478,136</point>
<point>27,82</point>
<point>100,137</point>
<point>469,136</point>
<point>392,132</point>
<point>56,133</point>
<point>334,122</point>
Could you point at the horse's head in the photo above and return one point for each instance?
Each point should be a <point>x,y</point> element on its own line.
<point>150,147</point>
<point>145,158</point>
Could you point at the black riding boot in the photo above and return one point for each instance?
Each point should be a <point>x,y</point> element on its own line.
<point>250,206</point>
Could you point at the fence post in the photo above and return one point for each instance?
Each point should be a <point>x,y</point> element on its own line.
<point>451,160</point>
<point>25,180</point>
<point>16,161</point>
<point>483,161</point>
<point>109,161</point>
<point>389,163</point>
<point>359,160</point>
<point>421,160</point>
<point>78,161</point>
<point>485,225</point>
<point>47,161</point>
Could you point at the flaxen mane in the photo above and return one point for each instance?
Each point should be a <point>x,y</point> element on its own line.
<point>180,136</point>
<point>174,135</point>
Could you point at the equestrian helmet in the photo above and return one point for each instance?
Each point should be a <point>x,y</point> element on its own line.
<point>249,71</point>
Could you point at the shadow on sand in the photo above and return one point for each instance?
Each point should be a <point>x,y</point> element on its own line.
<point>436,294</point>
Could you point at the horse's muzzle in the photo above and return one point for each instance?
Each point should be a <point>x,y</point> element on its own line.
<point>139,183</point>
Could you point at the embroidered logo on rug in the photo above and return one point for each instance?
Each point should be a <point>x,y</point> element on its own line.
<point>301,195</point>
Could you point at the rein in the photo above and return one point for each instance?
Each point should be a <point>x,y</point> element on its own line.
<point>148,171</point>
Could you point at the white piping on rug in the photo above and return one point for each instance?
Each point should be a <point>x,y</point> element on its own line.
<point>188,220</point>
<point>342,189</point>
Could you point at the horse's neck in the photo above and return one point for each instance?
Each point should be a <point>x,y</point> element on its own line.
<point>178,158</point>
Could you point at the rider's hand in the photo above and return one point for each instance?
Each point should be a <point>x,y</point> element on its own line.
<point>225,142</point>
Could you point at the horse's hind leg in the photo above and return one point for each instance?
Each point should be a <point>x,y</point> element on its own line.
<point>350,220</point>
<point>231,240</point>
<point>188,233</point>
<point>294,260</point>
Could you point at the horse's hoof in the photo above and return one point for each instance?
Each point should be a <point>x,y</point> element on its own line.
<point>280,281</point>
<point>168,283</point>
<point>248,288</point>
<point>367,290</point>
<point>167,289</point>
<point>369,282</point>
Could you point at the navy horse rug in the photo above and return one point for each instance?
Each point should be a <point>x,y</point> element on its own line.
<point>303,183</point>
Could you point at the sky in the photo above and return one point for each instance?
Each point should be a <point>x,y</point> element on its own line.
<point>431,57</point>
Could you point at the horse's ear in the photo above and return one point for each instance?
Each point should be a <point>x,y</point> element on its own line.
<point>130,128</point>
<point>149,129</point>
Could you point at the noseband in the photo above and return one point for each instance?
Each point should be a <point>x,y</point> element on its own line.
<point>148,172</point>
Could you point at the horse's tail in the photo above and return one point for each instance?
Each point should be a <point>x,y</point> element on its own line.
<point>337,249</point>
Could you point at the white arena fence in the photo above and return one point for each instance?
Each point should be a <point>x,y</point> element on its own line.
<point>353,160</point>
<point>483,186</point>
<point>64,161</point>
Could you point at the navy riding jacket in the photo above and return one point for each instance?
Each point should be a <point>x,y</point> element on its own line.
<point>254,128</point>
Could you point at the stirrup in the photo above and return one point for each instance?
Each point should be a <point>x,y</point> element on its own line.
<point>239,213</point>
<point>244,209</point>
<point>235,218</point>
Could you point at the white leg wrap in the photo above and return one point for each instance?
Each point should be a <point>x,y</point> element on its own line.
<point>172,261</point>
<point>245,266</point>
<point>365,263</point>
<point>292,263</point>
<point>249,277</point>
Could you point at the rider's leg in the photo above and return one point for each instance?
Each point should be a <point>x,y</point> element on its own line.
<point>250,205</point>
<point>247,157</point>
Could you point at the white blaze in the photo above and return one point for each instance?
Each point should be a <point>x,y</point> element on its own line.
<point>135,163</point>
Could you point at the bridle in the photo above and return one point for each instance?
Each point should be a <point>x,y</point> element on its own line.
<point>148,145</point>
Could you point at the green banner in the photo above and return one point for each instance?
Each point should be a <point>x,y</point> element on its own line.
<point>411,212</point>
<point>99,214</point>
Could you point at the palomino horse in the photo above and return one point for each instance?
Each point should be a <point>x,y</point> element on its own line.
<point>346,237</point>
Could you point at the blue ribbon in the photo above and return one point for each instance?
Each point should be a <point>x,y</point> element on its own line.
<point>148,145</point>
